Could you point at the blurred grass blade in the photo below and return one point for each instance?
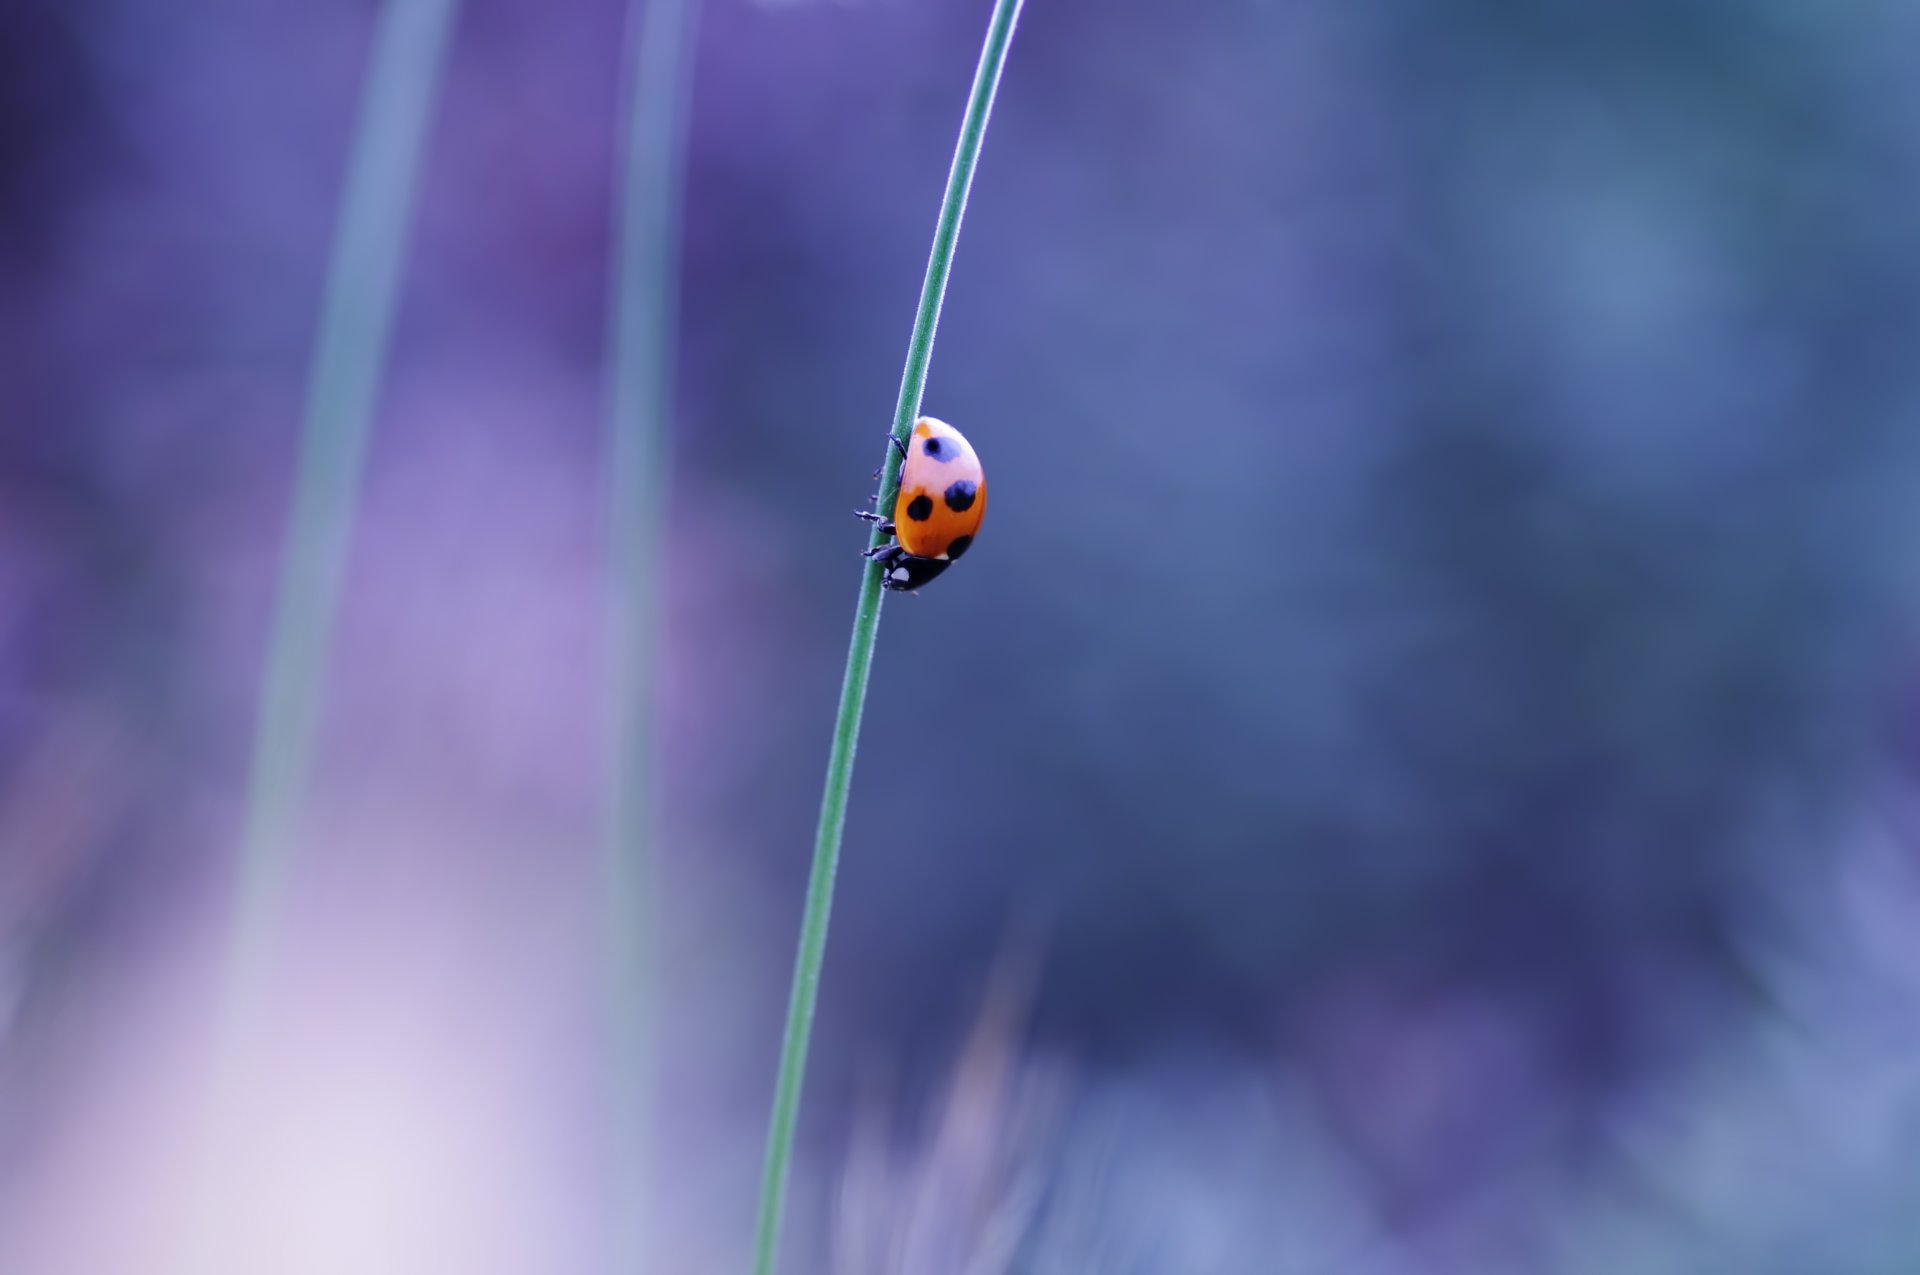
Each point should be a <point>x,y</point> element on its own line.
<point>639,405</point>
<point>866,624</point>
<point>356,317</point>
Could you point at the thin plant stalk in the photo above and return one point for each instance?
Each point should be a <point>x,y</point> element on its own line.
<point>866,623</point>
<point>356,320</point>
<point>639,402</point>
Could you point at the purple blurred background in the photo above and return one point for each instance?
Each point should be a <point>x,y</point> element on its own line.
<point>1433,711</point>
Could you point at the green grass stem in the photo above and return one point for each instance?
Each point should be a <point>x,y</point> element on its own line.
<point>639,405</point>
<point>866,623</point>
<point>356,319</point>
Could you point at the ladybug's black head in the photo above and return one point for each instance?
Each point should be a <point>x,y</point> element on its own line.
<point>906,572</point>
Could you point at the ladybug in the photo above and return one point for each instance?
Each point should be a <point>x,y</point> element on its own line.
<point>937,510</point>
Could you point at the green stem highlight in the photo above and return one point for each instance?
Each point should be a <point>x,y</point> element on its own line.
<point>866,623</point>
<point>639,406</point>
<point>355,322</point>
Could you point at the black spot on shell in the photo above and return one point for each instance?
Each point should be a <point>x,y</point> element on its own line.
<point>959,545</point>
<point>920,508</point>
<point>960,496</point>
<point>939,450</point>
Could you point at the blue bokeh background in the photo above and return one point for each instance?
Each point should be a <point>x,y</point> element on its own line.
<point>1432,708</point>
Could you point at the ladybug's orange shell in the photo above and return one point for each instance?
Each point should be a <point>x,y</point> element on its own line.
<point>943,492</point>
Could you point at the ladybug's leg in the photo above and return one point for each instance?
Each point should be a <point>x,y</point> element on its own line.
<point>885,553</point>
<point>898,446</point>
<point>885,524</point>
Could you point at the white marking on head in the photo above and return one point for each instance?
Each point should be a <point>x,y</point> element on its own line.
<point>898,573</point>
<point>941,558</point>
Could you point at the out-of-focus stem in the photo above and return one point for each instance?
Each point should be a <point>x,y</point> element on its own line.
<point>639,404</point>
<point>356,318</point>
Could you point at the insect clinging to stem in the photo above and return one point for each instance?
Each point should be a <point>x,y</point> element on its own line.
<point>937,509</point>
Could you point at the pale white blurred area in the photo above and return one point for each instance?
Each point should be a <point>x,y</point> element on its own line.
<point>430,1086</point>
<point>395,1119</point>
<point>422,1090</point>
